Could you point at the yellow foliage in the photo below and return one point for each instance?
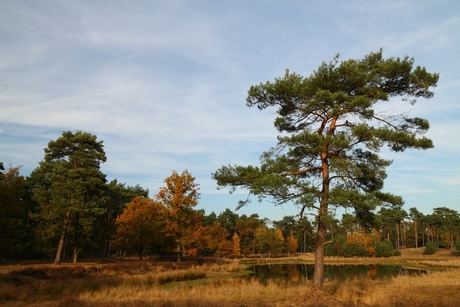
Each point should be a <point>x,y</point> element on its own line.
<point>365,240</point>
<point>236,245</point>
<point>292,244</point>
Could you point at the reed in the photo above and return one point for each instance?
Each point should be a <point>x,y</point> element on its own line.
<point>223,293</point>
<point>437,288</point>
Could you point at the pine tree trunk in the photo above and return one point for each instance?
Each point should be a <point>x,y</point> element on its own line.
<point>65,226</point>
<point>75,254</point>
<point>416,234</point>
<point>318,275</point>
<point>305,241</point>
<point>254,243</point>
<point>403,234</point>
<point>397,236</point>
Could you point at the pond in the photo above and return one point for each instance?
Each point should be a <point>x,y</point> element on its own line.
<point>299,272</point>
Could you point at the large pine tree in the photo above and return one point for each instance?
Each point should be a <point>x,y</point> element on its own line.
<point>70,188</point>
<point>327,153</point>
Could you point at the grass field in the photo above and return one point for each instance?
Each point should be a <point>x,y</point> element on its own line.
<point>215,282</point>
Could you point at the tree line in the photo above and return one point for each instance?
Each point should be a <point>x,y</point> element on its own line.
<point>327,156</point>
<point>66,208</point>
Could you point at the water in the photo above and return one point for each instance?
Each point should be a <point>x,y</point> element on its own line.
<point>299,272</point>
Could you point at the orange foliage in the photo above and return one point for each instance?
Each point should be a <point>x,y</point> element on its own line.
<point>359,239</point>
<point>179,196</point>
<point>236,245</point>
<point>368,241</point>
<point>141,224</point>
<point>371,251</point>
<point>292,244</point>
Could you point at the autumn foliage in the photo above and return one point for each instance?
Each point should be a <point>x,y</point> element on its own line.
<point>169,224</point>
<point>142,225</point>
<point>165,224</point>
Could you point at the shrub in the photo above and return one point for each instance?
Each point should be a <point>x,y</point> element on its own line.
<point>371,251</point>
<point>354,250</point>
<point>430,249</point>
<point>336,247</point>
<point>457,245</point>
<point>385,249</point>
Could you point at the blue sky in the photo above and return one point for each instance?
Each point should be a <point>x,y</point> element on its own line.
<point>164,83</point>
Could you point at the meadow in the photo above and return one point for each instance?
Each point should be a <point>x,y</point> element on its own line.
<point>220,282</point>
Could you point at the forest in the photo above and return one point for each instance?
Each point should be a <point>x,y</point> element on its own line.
<point>66,210</point>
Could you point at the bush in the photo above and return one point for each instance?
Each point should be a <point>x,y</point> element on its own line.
<point>430,249</point>
<point>354,250</point>
<point>335,248</point>
<point>385,249</point>
<point>457,245</point>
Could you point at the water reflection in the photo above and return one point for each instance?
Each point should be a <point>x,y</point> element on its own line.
<point>300,272</point>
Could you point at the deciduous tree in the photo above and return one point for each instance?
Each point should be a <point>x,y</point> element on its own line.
<point>13,214</point>
<point>179,196</point>
<point>330,136</point>
<point>236,245</point>
<point>118,195</point>
<point>142,225</point>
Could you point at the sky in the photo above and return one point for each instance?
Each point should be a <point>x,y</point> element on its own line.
<point>164,84</point>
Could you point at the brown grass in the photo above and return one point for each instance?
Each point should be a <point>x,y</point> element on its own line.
<point>434,289</point>
<point>152,283</point>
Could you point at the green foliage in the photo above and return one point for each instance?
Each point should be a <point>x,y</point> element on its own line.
<point>457,245</point>
<point>178,276</point>
<point>13,213</point>
<point>340,247</point>
<point>385,249</point>
<point>335,248</point>
<point>228,220</point>
<point>327,153</point>
<point>69,188</point>
<point>350,250</point>
<point>117,196</point>
<point>269,241</point>
<point>430,248</point>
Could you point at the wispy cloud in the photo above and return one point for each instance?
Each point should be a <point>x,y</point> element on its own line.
<point>163,83</point>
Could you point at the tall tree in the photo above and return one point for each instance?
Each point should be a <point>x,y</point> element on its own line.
<point>415,217</point>
<point>13,214</point>
<point>70,189</point>
<point>228,220</point>
<point>246,228</point>
<point>180,196</point>
<point>448,224</point>
<point>327,153</point>
<point>305,229</point>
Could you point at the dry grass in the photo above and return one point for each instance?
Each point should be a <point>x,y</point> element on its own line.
<point>231,292</point>
<point>149,283</point>
<point>434,289</point>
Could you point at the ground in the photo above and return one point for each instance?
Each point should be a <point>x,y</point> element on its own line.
<point>213,282</point>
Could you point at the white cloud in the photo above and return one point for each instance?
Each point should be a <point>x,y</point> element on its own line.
<point>164,83</point>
